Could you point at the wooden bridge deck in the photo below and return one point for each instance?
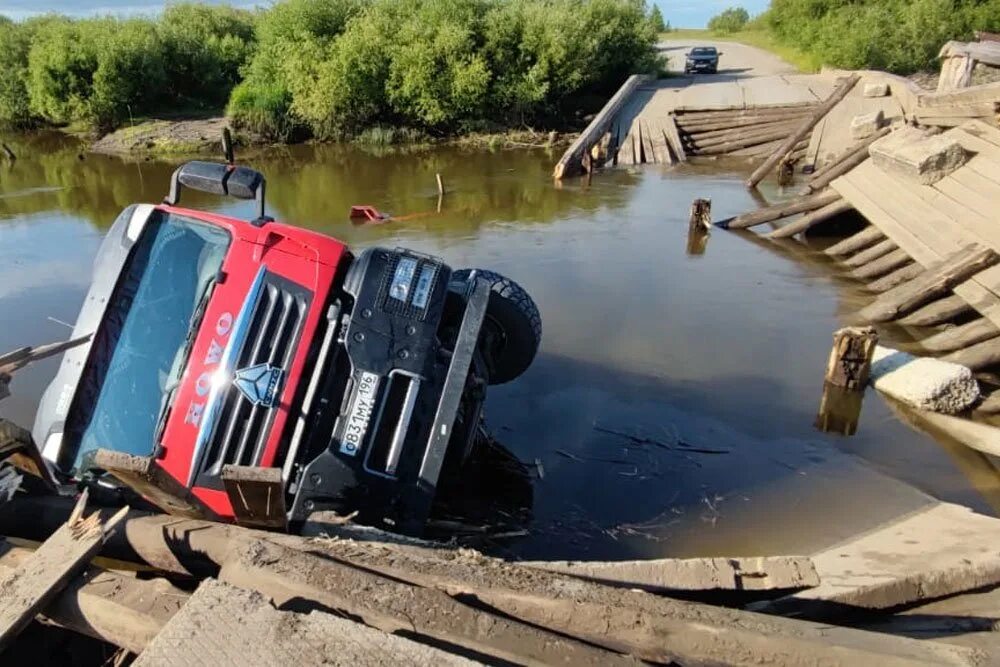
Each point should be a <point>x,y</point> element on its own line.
<point>931,222</point>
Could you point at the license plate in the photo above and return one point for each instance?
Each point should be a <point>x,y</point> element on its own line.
<point>360,415</point>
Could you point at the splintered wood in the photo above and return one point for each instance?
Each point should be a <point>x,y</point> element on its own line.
<point>26,590</point>
<point>851,357</point>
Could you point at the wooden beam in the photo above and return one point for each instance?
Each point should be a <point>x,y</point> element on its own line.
<point>147,478</point>
<point>881,266</point>
<point>569,163</point>
<point>673,139</point>
<point>850,358</point>
<point>811,219</point>
<point>124,610</point>
<point>257,496</point>
<point>26,590</point>
<point>897,277</point>
<point>881,248</point>
<point>938,312</point>
<point>806,126</point>
<point>909,296</point>
<point>778,211</point>
<point>964,335</point>
<point>285,575</point>
<point>866,237</point>
<point>977,357</point>
<point>859,154</point>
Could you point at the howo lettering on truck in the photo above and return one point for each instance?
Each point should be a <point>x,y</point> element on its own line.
<point>220,342</point>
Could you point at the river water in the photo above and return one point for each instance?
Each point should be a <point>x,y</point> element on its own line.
<point>711,361</point>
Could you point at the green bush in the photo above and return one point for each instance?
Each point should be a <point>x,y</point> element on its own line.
<point>901,36</point>
<point>263,110</point>
<point>729,21</point>
<point>15,41</point>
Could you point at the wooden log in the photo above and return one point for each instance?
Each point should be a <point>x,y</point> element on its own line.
<point>851,357</point>
<point>778,211</point>
<point>934,282</point>
<point>881,266</point>
<point>123,610</point>
<point>673,139</point>
<point>674,630</point>
<point>866,237</point>
<point>711,127</point>
<point>883,247</point>
<point>845,165</point>
<point>938,312</point>
<point>786,170</point>
<point>978,356</point>
<point>570,163</point>
<point>33,584</point>
<point>805,127</point>
<point>897,277</point>
<point>701,214</point>
<point>849,154</point>
<point>285,575</point>
<point>990,405</point>
<point>738,140</point>
<point>731,114</point>
<point>723,136</point>
<point>147,478</point>
<point>811,219</point>
<point>964,335</point>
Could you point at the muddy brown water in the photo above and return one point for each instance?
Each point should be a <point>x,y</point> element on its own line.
<point>720,351</point>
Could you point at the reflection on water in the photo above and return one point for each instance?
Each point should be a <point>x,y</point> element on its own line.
<point>671,409</point>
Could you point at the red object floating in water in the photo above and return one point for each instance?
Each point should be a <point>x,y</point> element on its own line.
<point>368,213</point>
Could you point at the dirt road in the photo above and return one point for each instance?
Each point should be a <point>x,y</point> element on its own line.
<point>736,61</point>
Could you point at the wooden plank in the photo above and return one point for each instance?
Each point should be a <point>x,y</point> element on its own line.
<point>569,163</point>
<point>989,92</point>
<point>123,610</point>
<point>26,590</point>
<point>935,282</point>
<point>673,139</point>
<point>978,356</point>
<point>226,625</point>
<point>692,574</point>
<point>147,478</point>
<point>881,266</point>
<point>257,496</point>
<point>811,219</point>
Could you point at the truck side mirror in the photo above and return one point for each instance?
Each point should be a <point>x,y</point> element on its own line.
<point>219,179</point>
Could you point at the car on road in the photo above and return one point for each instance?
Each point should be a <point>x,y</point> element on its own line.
<point>702,59</point>
<point>356,378</point>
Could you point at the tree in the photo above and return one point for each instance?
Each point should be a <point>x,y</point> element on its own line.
<point>731,20</point>
<point>656,19</point>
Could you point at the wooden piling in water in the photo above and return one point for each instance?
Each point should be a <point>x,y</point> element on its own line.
<point>701,215</point>
<point>851,357</point>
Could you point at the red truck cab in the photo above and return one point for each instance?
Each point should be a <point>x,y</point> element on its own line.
<point>224,342</point>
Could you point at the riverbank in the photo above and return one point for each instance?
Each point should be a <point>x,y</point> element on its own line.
<point>202,137</point>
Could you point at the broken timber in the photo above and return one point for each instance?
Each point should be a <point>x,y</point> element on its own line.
<point>778,211</point>
<point>851,357</point>
<point>147,478</point>
<point>26,590</point>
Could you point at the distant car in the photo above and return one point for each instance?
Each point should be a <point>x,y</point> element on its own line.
<point>702,59</point>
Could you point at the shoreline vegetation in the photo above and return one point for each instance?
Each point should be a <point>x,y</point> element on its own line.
<point>378,72</point>
<point>898,36</point>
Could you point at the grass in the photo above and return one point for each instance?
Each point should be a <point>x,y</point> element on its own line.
<point>761,39</point>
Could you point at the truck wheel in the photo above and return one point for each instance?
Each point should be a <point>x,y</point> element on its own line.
<point>514,315</point>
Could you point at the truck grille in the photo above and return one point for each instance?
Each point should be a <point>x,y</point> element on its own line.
<point>243,426</point>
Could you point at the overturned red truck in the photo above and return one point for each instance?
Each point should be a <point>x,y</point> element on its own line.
<point>219,341</point>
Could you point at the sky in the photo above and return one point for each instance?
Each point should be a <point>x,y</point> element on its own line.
<point>680,13</point>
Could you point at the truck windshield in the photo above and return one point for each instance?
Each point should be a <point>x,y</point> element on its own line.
<point>137,351</point>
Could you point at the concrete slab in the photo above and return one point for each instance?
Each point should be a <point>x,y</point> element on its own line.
<point>879,89</point>
<point>923,382</point>
<point>866,124</point>
<point>923,159</point>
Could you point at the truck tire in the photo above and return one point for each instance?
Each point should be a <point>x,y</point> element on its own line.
<point>514,314</point>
